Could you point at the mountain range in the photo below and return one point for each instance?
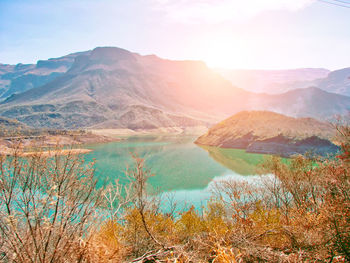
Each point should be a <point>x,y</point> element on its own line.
<point>110,87</point>
<point>273,81</point>
<point>279,81</point>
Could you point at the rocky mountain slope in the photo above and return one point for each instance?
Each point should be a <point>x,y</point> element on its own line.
<point>6,123</point>
<point>21,77</point>
<point>272,133</point>
<point>114,88</point>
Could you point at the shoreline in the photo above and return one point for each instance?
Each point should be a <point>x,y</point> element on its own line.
<point>49,153</point>
<point>195,130</point>
<point>47,144</point>
<point>50,145</point>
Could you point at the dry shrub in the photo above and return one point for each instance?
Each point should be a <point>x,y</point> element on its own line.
<point>299,215</point>
<point>226,255</point>
<point>47,206</point>
<point>302,214</point>
<point>105,245</point>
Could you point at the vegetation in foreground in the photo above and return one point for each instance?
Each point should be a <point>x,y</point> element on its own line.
<point>50,211</point>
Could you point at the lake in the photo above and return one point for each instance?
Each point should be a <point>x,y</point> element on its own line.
<point>181,168</point>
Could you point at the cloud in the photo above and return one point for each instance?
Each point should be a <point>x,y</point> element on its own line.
<point>217,11</point>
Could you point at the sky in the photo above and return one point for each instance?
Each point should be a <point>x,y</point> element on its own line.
<point>240,34</point>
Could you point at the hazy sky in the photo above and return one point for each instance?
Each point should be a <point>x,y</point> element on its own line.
<point>258,34</point>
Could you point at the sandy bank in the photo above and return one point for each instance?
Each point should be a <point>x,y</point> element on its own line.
<point>24,144</point>
<point>195,130</point>
<point>49,153</point>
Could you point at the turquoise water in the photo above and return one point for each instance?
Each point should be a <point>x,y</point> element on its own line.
<point>181,168</point>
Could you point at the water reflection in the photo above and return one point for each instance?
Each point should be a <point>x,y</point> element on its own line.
<point>239,161</point>
<point>180,167</point>
<point>199,197</point>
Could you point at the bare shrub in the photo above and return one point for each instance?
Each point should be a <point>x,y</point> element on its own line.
<point>51,212</point>
<point>48,205</point>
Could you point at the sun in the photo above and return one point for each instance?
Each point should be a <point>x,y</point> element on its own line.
<point>225,53</point>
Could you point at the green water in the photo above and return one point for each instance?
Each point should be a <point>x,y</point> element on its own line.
<point>181,167</point>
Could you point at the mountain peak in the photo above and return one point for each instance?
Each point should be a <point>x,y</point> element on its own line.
<point>110,54</point>
<point>105,56</point>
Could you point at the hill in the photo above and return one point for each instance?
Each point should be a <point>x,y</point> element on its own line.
<point>6,123</point>
<point>268,132</point>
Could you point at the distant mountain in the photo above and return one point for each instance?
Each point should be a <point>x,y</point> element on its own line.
<point>21,77</point>
<point>272,133</point>
<point>114,88</point>
<point>279,81</point>
<point>337,81</point>
<point>307,102</point>
<point>273,81</point>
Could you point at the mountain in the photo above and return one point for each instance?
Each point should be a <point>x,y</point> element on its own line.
<point>22,77</point>
<point>113,88</point>
<point>280,81</point>
<point>337,81</point>
<point>273,81</point>
<point>308,102</point>
<point>272,133</point>
<point>6,124</point>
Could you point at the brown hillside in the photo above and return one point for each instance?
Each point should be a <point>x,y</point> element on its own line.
<point>269,132</point>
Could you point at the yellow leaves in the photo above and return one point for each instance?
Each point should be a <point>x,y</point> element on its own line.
<point>300,216</point>
<point>265,218</point>
<point>109,231</point>
<point>214,219</point>
<point>104,245</point>
<point>226,255</point>
<point>190,223</point>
